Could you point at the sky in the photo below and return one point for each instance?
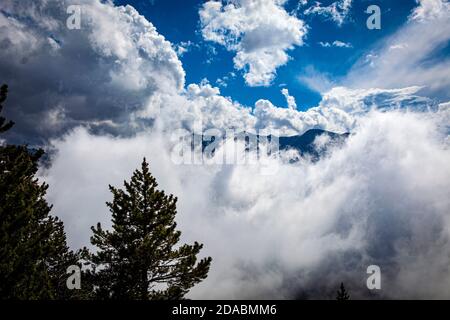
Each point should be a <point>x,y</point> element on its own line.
<point>256,54</point>
<point>136,75</point>
<point>208,60</point>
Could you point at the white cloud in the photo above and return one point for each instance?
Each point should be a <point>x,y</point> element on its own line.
<point>289,99</point>
<point>223,81</point>
<point>409,58</point>
<point>336,43</point>
<point>341,44</point>
<point>122,33</point>
<point>430,9</point>
<point>181,50</point>
<point>198,103</point>
<point>292,122</point>
<point>260,32</point>
<point>184,47</point>
<point>381,199</point>
<point>100,73</point>
<point>398,46</point>
<point>338,11</point>
<point>325,44</point>
<point>300,5</point>
<point>316,80</point>
<point>355,101</point>
<point>338,111</point>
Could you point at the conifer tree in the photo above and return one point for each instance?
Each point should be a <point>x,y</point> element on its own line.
<point>33,250</point>
<point>33,254</point>
<point>139,258</point>
<point>342,294</point>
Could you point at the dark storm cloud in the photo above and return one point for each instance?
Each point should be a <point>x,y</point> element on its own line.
<point>97,75</point>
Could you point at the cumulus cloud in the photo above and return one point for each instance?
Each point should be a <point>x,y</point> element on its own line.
<point>198,105</point>
<point>202,105</point>
<point>96,75</point>
<point>339,109</point>
<point>260,32</point>
<point>292,122</point>
<point>338,11</point>
<point>289,99</point>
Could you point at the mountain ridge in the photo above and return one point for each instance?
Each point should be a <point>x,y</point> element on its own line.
<point>306,143</point>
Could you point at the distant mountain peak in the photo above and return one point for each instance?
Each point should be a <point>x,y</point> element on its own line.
<point>306,144</point>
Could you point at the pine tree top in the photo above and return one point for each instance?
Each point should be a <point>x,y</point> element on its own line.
<point>140,255</point>
<point>342,294</point>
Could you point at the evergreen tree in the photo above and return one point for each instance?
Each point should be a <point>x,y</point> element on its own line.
<point>33,251</point>
<point>137,258</point>
<point>342,294</point>
<point>33,255</point>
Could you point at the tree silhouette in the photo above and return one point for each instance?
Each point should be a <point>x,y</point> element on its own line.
<point>33,254</point>
<point>342,294</point>
<point>137,258</point>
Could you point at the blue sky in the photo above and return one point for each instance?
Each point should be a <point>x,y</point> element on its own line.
<point>178,21</point>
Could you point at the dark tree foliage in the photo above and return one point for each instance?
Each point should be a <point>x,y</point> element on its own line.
<point>139,258</point>
<point>33,252</point>
<point>342,294</point>
<point>4,126</point>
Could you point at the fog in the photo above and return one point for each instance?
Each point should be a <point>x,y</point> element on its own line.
<point>297,230</point>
